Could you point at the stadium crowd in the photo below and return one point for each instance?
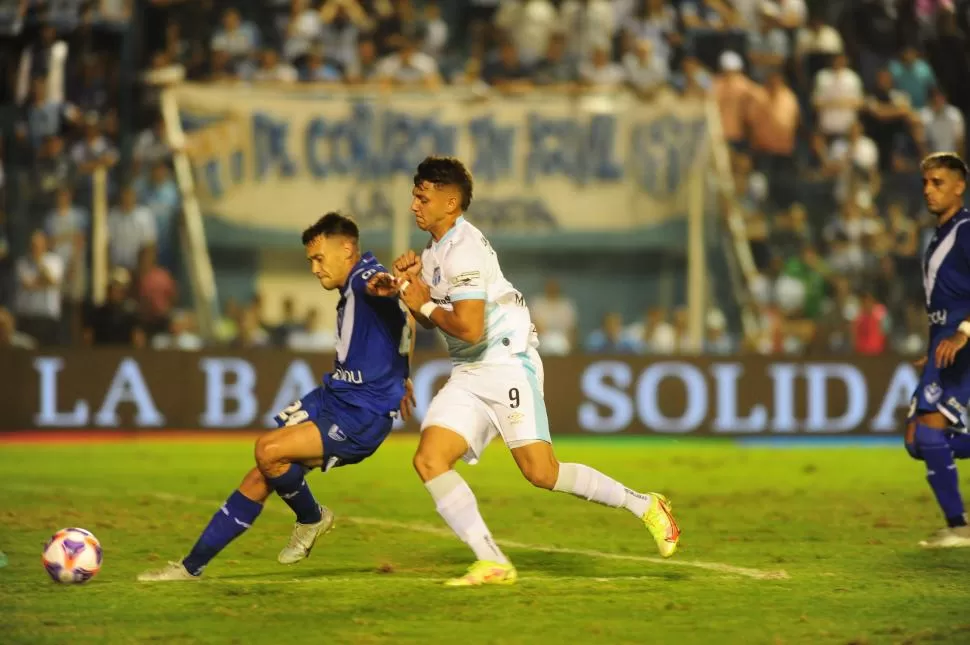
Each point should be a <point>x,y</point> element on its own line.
<point>826,108</point>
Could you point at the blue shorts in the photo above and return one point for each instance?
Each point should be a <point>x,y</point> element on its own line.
<point>946,390</point>
<point>349,434</point>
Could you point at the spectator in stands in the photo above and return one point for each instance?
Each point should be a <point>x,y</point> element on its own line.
<point>555,69</point>
<point>94,150</point>
<point>943,125</point>
<point>227,325</point>
<point>913,76</point>
<point>409,67</point>
<point>130,228</point>
<point>364,66</point>
<point>67,229</point>
<point>718,341</point>
<point>645,71</point>
<point>182,334</point>
<point>155,293</point>
<point>435,30</point>
<point>768,47</point>
<point>529,25</point>
<point>160,194</point>
<point>251,332</point>
<point>236,39</point>
<point>115,321</point>
<point>733,92</point>
<point>609,339</point>
<point>43,59</point>
<point>870,327</point>
<point>53,171</point>
<point>588,25</point>
<point>90,90</point>
<point>506,72</point>
<point>151,144</point>
<point>45,117</point>
<point>600,73</point>
<point>303,32</point>
<point>554,316</point>
<point>693,81</point>
<point>40,275</point>
<point>654,334</point>
<point>272,70</point>
<point>889,119</point>
<point>10,338</point>
<point>837,98</point>
<point>654,22</point>
<point>318,69</point>
<point>816,45</point>
<point>774,118</point>
<point>289,323</point>
<point>312,337</point>
<point>854,161</point>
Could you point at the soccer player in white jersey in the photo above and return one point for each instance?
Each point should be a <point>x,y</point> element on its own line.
<point>495,386</point>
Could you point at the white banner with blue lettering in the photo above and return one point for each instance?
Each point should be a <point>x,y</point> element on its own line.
<point>278,157</point>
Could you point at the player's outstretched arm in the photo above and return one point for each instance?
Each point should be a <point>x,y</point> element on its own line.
<point>466,322</point>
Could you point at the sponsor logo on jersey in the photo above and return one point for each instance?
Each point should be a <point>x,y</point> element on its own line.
<point>336,433</point>
<point>932,393</point>
<point>937,317</point>
<point>347,376</point>
<point>436,276</point>
<point>466,278</point>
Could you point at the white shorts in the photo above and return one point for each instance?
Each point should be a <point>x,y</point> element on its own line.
<point>480,401</point>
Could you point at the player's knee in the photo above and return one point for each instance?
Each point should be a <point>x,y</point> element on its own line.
<point>428,465</point>
<point>266,451</point>
<point>540,474</point>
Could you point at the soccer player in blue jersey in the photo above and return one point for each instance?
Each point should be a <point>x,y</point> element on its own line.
<point>342,422</point>
<point>936,429</point>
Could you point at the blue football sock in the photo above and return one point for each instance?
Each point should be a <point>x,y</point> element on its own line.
<point>229,522</point>
<point>941,472</point>
<point>292,488</point>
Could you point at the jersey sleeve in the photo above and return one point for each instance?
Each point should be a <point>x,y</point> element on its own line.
<point>464,271</point>
<point>359,280</point>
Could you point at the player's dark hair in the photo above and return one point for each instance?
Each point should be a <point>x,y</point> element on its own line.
<point>948,160</point>
<point>330,225</point>
<point>446,171</point>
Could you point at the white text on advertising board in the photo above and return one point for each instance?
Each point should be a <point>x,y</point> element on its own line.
<point>615,397</point>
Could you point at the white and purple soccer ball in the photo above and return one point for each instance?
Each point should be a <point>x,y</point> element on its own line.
<point>72,556</point>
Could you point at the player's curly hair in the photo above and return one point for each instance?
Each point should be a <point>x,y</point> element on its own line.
<point>332,224</point>
<point>948,160</point>
<point>446,171</point>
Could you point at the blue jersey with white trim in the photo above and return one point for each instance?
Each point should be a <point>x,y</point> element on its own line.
<point>373,342</point>
<point>946,275</point>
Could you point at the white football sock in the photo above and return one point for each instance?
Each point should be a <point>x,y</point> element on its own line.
<point>583,481</point>
<point>456,504</point>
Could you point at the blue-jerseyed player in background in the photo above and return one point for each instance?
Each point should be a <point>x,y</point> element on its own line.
<point>342,422</point>
<point>936,430</point>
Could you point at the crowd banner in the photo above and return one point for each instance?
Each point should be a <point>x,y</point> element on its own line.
<point>84,388</point>
<point>269,156</point>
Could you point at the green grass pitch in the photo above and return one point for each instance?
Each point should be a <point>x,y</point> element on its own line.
<point>806,545</point>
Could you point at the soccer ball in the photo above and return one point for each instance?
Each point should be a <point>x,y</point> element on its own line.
<point>72,556</point>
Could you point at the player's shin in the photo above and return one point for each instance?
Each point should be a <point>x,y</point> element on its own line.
<point>292,488</point>
<point>229,522</point>
<point>941,472</point>
<point>590,484</point>
<point>456,504</point>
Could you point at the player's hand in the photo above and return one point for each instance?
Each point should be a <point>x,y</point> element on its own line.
<point>383,285</point>
<point>409,264</point>
<point>408,402</point>
<point>946,351</point>
<point>414,292</point>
